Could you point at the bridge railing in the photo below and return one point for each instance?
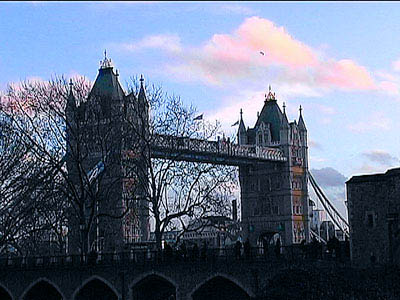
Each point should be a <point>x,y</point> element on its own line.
<point>221,147</point>
<point>145,257</point>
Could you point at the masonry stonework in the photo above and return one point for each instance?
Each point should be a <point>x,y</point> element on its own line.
<point>274,196</point>
<point>373,209</point>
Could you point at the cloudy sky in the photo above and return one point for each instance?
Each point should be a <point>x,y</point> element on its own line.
<point>340,61</point>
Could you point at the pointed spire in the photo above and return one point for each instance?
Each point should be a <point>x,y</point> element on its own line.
<point>285,122</point>
<point>71,102</point>
<point>242,133</point>
<point>242,128</point>
<point>142,93</point>
<point>70,85</point>
<point>301,124</point>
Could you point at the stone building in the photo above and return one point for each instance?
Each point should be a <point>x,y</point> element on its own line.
<point>274,195</point>
<point>373,208</point>
<point>102,142</point>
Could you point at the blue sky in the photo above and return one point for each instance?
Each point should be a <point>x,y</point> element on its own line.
<point>340,61</point>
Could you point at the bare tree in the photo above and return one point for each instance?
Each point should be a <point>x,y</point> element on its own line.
<point>39,112</point>
<point>88,152</point>
<point>20,180</point>
<point>175,189</point>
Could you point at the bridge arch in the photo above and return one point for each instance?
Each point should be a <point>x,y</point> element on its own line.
<point>43,283</point>
<point>225,283</point>
<point>137,289</point>
<point>103,288</point>
<point>5,293</point>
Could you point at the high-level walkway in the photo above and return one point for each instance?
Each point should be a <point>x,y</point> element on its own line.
<point>215,152</point>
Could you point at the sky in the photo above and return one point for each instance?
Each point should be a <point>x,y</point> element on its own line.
<point>339,60</point>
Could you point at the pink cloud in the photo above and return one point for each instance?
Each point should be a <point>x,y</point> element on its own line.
<point>396,65</point>
<point>345,74</point>
<point>226,58</point>
<point>279,46</point>
<point>389,87</point>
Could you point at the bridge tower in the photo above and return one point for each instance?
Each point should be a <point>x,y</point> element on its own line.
<point>274,195</point>
<point>98,141</point>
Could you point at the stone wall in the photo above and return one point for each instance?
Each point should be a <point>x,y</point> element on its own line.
<point>373,206</point>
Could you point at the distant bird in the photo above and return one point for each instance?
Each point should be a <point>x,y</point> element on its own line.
<point>262,53</point>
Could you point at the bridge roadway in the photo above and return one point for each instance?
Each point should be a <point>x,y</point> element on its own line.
<point>215,152</point>
<point>140,275</point>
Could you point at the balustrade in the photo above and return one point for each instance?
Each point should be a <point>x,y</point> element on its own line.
<point>145,256</point>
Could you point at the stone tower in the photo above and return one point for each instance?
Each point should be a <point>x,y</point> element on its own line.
<point>101,146</point>
<point>274,195</point>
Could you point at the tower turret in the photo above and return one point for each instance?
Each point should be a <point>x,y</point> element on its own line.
<point>272,114</point>
<point>302,125</point>
<point>284,131</point>
<point>302,129</point>
<point>242,133</point>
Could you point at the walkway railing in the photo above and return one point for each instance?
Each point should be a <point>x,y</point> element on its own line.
<point>143,257</point>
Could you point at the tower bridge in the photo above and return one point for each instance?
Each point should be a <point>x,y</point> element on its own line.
<point>272,158</point>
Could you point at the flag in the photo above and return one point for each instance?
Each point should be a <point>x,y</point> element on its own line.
<point>198,118</point>
<point>92,174</point>
<point>236,123</point>
<point>262,53</point>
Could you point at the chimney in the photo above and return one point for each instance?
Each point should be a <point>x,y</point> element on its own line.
<point>234,210</point>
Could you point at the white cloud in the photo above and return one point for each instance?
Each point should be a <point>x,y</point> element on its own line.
<point>237,9</point>
<point>381,157</point>
<point>168,42</point>
<point>378,121</point>
<point>396,65</point>
<point>315,145</point>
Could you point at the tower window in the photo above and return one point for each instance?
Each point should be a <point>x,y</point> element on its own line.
<point>370,220</point>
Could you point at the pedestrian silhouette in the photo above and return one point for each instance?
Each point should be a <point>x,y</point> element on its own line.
<point>247,249</point>
<point>195,252</point>
<point>168,251</point>
<point>278,248</point>
<point>238,248</point>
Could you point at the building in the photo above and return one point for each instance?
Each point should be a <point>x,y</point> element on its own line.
<point>101,145</point>
<point>373,207</point>
<point>216,232</point>
<point>274,195</point>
